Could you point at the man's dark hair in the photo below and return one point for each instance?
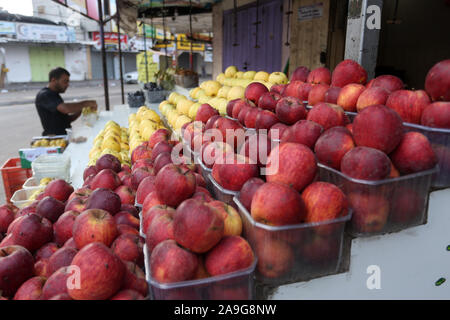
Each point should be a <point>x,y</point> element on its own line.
<point>57,73</point>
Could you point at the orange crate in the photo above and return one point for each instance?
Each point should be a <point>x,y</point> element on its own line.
<point>14,176</point>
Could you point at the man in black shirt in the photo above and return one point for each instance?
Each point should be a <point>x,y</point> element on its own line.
<point>55,114</point>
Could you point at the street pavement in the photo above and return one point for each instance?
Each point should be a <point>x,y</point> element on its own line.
<point>19,121</point>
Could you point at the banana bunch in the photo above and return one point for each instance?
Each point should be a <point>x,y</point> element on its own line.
<point>45,181</point>
<point>142,125</point>
<point>34,195</point>
<point>88,110</point>
<point>113,139</point>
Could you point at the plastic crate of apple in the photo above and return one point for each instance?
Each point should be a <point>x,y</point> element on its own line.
<point>89,234</point>
<point>181,218</point>
<point>348,88</point>
<point>112,139</point>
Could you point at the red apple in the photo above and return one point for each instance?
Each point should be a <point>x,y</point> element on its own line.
<point>276,131</point>
<point>134,279</point>
<point>317,94</point>
<point>210,122</point>
<point>409,104</point>
<point>231,218</point>
<point>196,226</point>
<point>231,132</point>
<point>104,199</point>
<point>319,75</point>
<point>278,88</point>
<point>332,145</point>
<point>436,115</point>
<point>413,154</point>
<point>77,204</point>
<point>152,213</point>
<point>61,258</point>
<point>204,112</point>
<point>211,151</point>
<point>41,268</point>
<point>437,81</point>
<point>126,229</point>
<point>275,258</point>
<point>230,106</point>
<point>62,228</point>
<point>160,147</point>
<point>56,284</point>
<point>31,289</point>
<point>327,115</point>
<point>348,71</point>
<point>108,161</point>
<point>388,82</point>
<point>151,200</point>
<point>366,163</point>
<point>101,273</point>
<point>265,120</point>
<point>32,232</point>
<point>277,204</point>
<point>169,262</point>
<point>303,91</point>
<point>16,266</point>
<point>239,105</point>
<point>320,250</point>
<point>254,91</point>
<point>161,160</point>
<point>290,109</point>
<point>70,243</point>
<point>126,194</point>
<point>293,164</point>
<point>231,254</point>
<point>370,212</point>
<point>146,162</point>
<point>269,101</point>
<point>7,215</point>
<point>158,136</point>
<point>233,171</point>
<point>332,94</point>
<point>372,96</point>
<point>160,229</point>
<point>292,89</point>
<point>124,217</point>
<point>304,131</point>
<point>141,152</point>
<point>107,179</point>
<point>248,191</point>
<point>46,251</point>
<point>378,127</point>
<point>300,73</point>
<point>146,186</point>
<point>88,171</point>
<point>58,189</point>
<point>324,201</point>
<point>348,96</point>
<point>250,117</point>
<point>50,208</point>
<point>80,192</point>
<point>94,225</point>
<point>129,247</point>
<point>256,148</point>
<point>174,184</point>
<point>407,206</point>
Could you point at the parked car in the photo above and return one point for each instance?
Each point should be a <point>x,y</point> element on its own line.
<point>131,77</point>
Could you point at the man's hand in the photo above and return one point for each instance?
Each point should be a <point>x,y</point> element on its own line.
<point>90,104</point>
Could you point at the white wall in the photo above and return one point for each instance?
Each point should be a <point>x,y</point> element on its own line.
<point>18,62</point>
<point>76,62</point>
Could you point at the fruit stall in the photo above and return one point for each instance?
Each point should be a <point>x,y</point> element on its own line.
<point>251,186</point>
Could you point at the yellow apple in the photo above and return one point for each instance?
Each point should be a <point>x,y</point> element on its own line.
<point>249,75</point>
<point>222,106</point>
<point>261,75</point>
<point>220,78</point>
<point>236,92</point>
<point>212,88</point>
<point>178,99</point>
<point>172,97</point>
<point>193,110</point>
<point>151,115</point>
<point>278,78</point>
<point>181,121</point>
<point>184,105</point>
<point>230,71</point>
<point>223,92</point>
<point>239,75</point>
<point>203,99</point>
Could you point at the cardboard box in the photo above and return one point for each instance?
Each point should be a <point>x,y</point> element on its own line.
<point>28,155</point>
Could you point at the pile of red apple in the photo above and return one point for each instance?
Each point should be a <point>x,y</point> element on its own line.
<point>87,237</point>
<point>186,230</point>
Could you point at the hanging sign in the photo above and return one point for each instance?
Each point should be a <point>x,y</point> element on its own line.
<point>310,12</point>
<point>184,44</point>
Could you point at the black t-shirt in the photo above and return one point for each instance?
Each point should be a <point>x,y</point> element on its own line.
<point>53,121</point>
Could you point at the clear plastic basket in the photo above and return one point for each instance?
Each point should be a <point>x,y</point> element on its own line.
<point>221,193</point>
<point>21,197</point>
<point>383,206</point>
<point>31,182</point>
<point>440,142</point>
<point>294,253</point>
<point>238,285</point>
<point>51,166</point>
